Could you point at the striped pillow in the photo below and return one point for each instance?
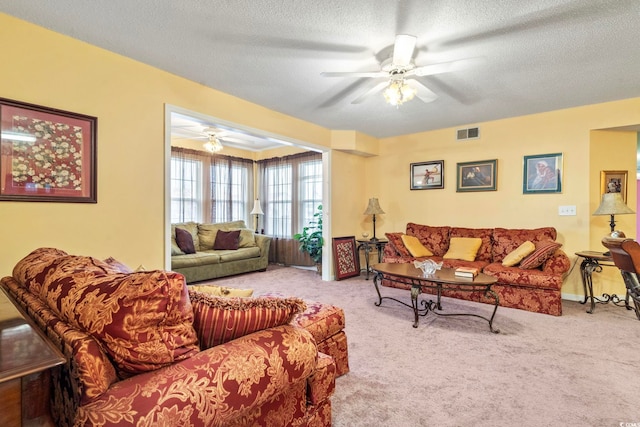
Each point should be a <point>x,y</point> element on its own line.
<point>544,250</point>
<point>218,320</point>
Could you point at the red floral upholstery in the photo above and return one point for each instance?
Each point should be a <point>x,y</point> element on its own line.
<point>396,243</point>
<point>326,324</point>
<point>436,239</point>
<point>271,377</point>
<point>537,289</point>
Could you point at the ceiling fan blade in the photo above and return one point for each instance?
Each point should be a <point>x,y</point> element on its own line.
<point>423,93</point>
<point>377,88</point>
<point>403,50</point>
<point>355,74</point>
<point>442,67</point>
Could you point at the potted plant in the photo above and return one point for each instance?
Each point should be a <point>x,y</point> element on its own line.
<point>311,240</point>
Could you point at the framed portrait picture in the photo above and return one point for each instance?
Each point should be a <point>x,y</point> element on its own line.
<point>542,174</point>
<point>614,182</point>
<point>427,175</point>
<point>345,257</point>
<point>477,176</point>
<point>46,155</point>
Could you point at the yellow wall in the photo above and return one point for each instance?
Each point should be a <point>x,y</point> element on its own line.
<point>129,100</point>
<point>509,140</point>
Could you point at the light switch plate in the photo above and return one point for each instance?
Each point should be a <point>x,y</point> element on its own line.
<point>567,210</point>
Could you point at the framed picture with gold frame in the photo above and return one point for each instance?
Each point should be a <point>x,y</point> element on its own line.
<point>614,182</point>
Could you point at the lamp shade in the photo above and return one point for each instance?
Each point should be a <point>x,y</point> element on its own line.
<point>373,208</point>
<point>257,209</point>
<point>613,204</point>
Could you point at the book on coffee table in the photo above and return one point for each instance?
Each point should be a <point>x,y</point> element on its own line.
<point>466,272</point>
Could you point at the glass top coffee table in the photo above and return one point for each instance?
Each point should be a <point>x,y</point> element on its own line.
<point>442,280</point>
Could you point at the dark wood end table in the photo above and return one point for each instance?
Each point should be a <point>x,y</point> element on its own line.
<point>593,262</point>
<point>368,245</point>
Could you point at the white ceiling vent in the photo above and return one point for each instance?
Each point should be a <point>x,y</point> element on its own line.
<point>470,133</point>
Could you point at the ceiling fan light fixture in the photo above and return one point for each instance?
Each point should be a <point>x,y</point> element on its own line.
<point>213,145</point>
<point>398,92</point>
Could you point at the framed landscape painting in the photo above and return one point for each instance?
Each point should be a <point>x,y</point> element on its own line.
<point>477,176</point>
<point>46,155</point>
<point>427,175</point>
<point>542,174</point>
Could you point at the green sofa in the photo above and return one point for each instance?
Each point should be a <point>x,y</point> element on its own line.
<point>207,263</point>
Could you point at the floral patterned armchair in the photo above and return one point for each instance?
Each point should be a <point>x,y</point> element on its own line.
<point>135,357</point>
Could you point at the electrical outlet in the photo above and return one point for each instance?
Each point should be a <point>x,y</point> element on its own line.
<point>568,210</point>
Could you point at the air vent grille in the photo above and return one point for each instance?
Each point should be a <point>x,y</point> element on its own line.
<point>469,133</point>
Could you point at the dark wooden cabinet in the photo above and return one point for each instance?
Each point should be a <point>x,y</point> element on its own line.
<point>26,355</point>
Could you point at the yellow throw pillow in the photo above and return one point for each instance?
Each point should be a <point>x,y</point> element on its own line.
<point>415,248</point>
<point>464,248</point>
<point>518,254</point>
<point>222,291</point>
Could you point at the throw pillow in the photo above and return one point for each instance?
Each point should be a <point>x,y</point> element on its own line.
<point>464,248</point>
<point>247,238</point>
<point>185,241</point>
<point>221,291</point>
<point>218,320</point>
<point>144,321</point>
<point>544,250</point>
<point>228,240</point>
<point>415,248</point>
<point>395,241</point>
<point>518,254</point>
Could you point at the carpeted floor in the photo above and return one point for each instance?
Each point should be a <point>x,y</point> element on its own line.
<point>575,370</point>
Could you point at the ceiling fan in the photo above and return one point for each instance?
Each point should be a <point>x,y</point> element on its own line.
<point>399,70</point>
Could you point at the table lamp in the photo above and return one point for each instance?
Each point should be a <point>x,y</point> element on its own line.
<point>613,204</point>
<point>373,209</point>
<point>257,210</point>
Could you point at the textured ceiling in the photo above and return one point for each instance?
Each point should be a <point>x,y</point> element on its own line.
<point>527,56</point>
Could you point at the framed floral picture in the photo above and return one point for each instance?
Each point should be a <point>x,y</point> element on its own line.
<point>477,176</point>
<point>542,174</point>
<point>46,155</point>
<point>427,175</point>
<point>345,257</point>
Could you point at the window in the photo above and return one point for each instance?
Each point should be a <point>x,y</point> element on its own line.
<point>186,190</point>
<point>210,188</point>
<point>292,190</point>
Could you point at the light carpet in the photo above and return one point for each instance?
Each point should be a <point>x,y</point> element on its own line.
<point>575,370</point>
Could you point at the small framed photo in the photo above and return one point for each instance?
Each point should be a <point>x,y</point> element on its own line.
<point>477,176</point>
<point>46,155</point>
<point>345,257</point>
<point>614,182</point>
<point>542,174</point>
<point>427,175</point>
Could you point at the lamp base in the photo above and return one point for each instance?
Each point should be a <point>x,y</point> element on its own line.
<point>617,234</point>
<point>374,239</point>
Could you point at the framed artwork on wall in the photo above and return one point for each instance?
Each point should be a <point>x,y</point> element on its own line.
<point>46,155</point>
<point>427,175</point>
<point>477,176</point>
<point>614,182</point>
<point>345,257</point>
<point>542,173</point>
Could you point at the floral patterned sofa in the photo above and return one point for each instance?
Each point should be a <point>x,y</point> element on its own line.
<point>535,288</point>
<point>143,350</point>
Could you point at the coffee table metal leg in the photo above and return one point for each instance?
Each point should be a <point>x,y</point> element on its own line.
<point>415,291</point>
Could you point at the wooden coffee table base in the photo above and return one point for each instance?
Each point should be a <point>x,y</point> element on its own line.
<point>423,307</point>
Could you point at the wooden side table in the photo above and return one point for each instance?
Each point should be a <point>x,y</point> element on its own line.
<point>26,355</point>
<point>368,245</point>
<point>593,262</point>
